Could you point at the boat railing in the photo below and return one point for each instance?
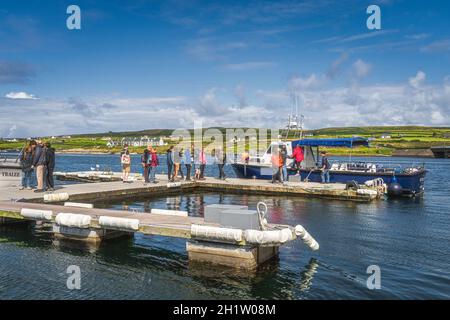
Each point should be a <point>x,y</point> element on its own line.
<point>387,166</point>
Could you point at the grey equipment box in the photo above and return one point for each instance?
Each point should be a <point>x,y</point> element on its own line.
<point>213,211</point>
<point>241,219</point>
<point>232,216</point>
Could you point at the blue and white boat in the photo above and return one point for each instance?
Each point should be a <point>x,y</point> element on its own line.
<point>400,181</point>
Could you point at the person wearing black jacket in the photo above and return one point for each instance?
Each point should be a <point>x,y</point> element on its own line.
<point>145,160</point>
<point>50,166</point>
<point>26,164</point>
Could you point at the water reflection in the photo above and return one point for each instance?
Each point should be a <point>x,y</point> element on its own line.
<point>307,275</point>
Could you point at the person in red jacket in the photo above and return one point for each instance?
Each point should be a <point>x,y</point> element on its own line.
<point>298,156</point>
<point>154,162</point>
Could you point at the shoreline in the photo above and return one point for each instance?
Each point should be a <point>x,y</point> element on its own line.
<point>399,154</point>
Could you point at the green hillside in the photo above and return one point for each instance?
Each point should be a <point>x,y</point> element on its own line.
<point>384,140</point>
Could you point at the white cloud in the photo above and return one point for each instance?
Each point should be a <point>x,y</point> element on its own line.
<point>20,95</point>
<point>405,103</point>
<point>313,81</point>
<point>361,68</point>
<point>418,79</point>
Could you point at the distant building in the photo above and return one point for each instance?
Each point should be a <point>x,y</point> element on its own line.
<point>385,136</point>
<point>142,142</point>
<point>446,135</point>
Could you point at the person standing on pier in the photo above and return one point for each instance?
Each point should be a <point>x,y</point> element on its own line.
<point>154,162</point>
<point>277,163</point>
<point>26,163</point>
<point>202,160</point>
<point>176,164</point>
<point>284,157</point>
<point>145,160</point>
<point>221,159</point>
<point>298,158</point>
<point>180,169</point>
<point>39,161</point>
<point>169,159</point>
<point>325,175</point>
<point>125,160</point>
<point>50,166</point>
<point>188,163</point>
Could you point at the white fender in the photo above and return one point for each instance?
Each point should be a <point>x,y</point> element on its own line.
<point>269,236</point>
<point>306,237</point>
<point>56,197</point>
<point>216,233</point>
<point>73,220</point>
<point>367,191</point>
<point>36,214</point>
<point>119,223</point>
<point>79,205</point>
<point>173,184</point>
<point>169,212</point>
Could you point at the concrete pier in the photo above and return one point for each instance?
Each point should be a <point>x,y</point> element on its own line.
<point>246,257</point>
<point>89,192</point>
<point>242,243</point>
<point>89,234</point>
<point>207,242</point>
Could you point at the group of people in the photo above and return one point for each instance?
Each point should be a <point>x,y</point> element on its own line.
<point>38,157</point>
<point>279,164</point>
<point>193,160</point>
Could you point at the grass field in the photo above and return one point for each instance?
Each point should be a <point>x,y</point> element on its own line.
<point>398,138</point>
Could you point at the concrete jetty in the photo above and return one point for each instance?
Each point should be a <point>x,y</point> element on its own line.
<point>237,241</point>
<point>117,190</point>
<point>207,242</point>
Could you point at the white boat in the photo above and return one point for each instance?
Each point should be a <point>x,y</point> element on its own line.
<point>10,173</point>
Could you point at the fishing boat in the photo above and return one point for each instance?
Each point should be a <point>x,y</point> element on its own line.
<point>10,172</point>
<point>399,181</point>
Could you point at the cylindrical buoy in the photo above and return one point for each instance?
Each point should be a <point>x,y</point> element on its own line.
<point>56,197</point>
<point>306,237</point>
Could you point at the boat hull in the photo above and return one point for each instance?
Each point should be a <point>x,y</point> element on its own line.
<point>412,183</point>
<point>10,175</point>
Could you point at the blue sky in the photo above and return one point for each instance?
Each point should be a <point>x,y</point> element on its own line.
<point>149,64</point>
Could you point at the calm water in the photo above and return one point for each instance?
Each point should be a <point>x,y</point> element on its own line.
<point>408,239</point>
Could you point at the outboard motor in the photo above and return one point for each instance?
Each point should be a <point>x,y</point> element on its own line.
<point>394,188</point>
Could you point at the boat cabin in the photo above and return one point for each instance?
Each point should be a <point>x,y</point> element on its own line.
<point>310,149</point>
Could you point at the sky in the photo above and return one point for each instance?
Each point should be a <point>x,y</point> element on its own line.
<point>142,64</point>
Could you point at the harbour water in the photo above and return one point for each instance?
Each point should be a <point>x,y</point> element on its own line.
<point>407,238</point>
